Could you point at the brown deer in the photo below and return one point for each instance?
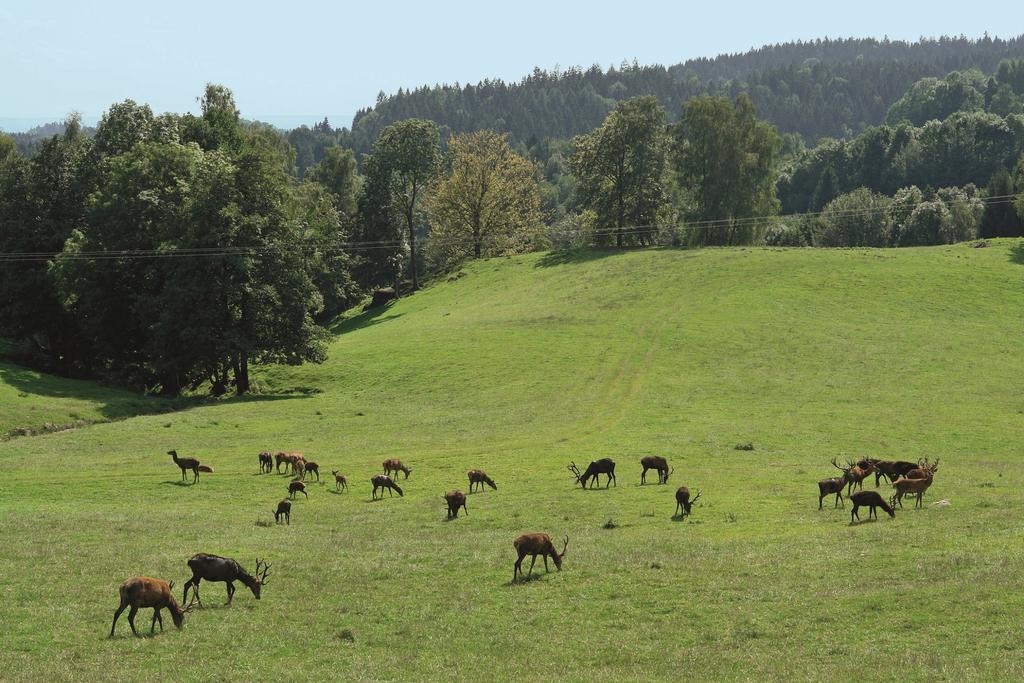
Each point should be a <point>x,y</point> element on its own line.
<point>917,487</point>
<point>655,462</point>
<point>479,478</point>
<point>299,469</point>
<point>143,591</point>
<point>924,469</point>
<point>604,466</point>
<point>266,463</point>
<point>189,464</point>
<point>872,500</point>
<point>216,568</point>
<point>297,487</point>
<point>683,502</point>
<point>835,485</point>
<point>383,481</point>
<point>281,458</point>
<point>340,482</point>
<point>395,465</point>
<point>456,500</point>
<point>284,509</point>
<point>858,474</point>
<point>892,470</point>
<point>534,545</point>
<point>312,468</point>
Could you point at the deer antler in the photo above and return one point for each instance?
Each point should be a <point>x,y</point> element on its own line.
<point>562,554</point>
<point>575,470</point>
<point>265,570</point>
<point>836,465</point>
<point>696,497</point>
<point>934,466</point>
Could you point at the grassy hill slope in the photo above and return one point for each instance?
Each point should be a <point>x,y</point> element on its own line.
<point>518,368</point>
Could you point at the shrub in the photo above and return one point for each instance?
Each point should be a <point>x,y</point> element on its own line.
<point>856,219</point>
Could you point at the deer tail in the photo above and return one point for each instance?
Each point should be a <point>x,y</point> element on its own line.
<point>205,468</point>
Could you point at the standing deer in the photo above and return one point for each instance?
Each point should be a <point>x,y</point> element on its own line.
<point>189,464</point>
<point>892,470</point>
<point>479,478</point>
<point>534,545</point>
<point>297,487</point>
<point>655,462</point>
<point>299,469</point>
<point>216,568</point>
<point>395,465</point>
<point>340,482</point>
<point>284,509</point>
<point>142,591</point>
<point>266,463</point>
<point>924,469</point>
<point>604,466</point>
<point>835,485</point>
<point>858,473</point>
<point>281,458</point>
<point>683,502</point>
<point>383,481</point>
<point>313,468</point>
<point>917,487</point>
<point>455,500</point>
<point>872,500</point>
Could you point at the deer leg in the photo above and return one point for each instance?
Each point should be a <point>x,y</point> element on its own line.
<point>614,480</point>
<point>152,625</point>
<point>117,614</point>
<point>231,591</point>
<point>305,494</point>
<point>546,570</point>
<point>532,562</point>
<point>131,619</point>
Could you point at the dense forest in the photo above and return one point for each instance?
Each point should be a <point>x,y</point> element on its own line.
<point>170,252</point>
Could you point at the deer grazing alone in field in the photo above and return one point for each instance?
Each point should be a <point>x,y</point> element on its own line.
<point>655,462</point>
<point>917,487</point>
<point>395,465</point>
<point>858,474</point>
<point>872,500</point>
<point>312,469</point>
<point>141,592</point>
<point>683,502</point>
<point>479,478</point>
<point>340,482</point>
<point>891,470</point>
<point>189,464</point>
<point>296,487</point>
<point>604,466</point>
<point>266,463</point>
<point>455,500</point>
<point>216,568</point>
<point>534,545</point>
<point>284,509</point>
<point>835,485</point>
<point>383,481</point>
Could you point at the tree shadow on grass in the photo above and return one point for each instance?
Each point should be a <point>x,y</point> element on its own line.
<point>374,316</point>
<point>1017,253</point>
<point>563,257</point>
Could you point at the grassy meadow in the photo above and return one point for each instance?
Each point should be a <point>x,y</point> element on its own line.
<point>520,367</point>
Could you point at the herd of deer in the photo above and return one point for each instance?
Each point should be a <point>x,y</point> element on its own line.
<point>907,478</point>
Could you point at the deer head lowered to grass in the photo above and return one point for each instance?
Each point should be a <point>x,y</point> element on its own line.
<point>394,465</point>
<point>536,544</point>
<point>604,466</point>
<point>455,500</point>
<point>655,462</point>
<point>479,478</point>
<point>216,568</point>
<point>683,502</point>
<point>143,591</point>
<point>383,481</point>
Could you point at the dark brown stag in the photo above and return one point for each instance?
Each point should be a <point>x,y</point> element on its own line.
<point>604,466</point>
<point>835,485</point>
<point>394,465</point>
<point>891,470</point>
<point>534,545</point>
<point>143,591</point>
<point>216,568</point>
<point>383,481</point>
<point>189,464</point>
<point>296,487</point>
<point>266,463</point>
<point>340,482</point>
<point>455,500</point>
<point>284,509</point>
<point>655,462</point>
<point>872,500</point>
<point>479,478</point>
<point>683,502</point>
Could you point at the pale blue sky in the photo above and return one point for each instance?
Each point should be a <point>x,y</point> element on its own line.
<point>310,59</point>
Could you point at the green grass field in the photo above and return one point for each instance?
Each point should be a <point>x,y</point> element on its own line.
<point>519,368</point>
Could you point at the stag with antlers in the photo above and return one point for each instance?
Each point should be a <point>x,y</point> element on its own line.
<point>916,487</point>
<point>835,485</point>
<point>143,591</point>
<point>858,473</point>
<point>655,462</point>
<point>215,568</point>
<point>534,545</point>
<point>479,478</point>
<point>604,466</point>
<point>683,502</point>
<point>923,470</point>
<point>891,470</point>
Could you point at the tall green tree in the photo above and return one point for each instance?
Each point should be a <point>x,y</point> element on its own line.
<point>408,154</point>
<point>725,157</point>
<point>621,169</point>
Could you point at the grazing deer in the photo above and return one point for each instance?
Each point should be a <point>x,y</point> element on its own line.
<point>297,487</point>
<point>917,487</point>
<point>266,463</point>
<point>536,544</point>
<point>312,468</point>
<point>479,478</point>
<point>835,485</point>
<point>189,464</point>
<point>395,465</point>
<point>142,591</point>
<point>215,568</point>
<point>281,458</point>
<point>858,474</point>
<point>892,470</point>
<point>383,481</point>
<point>456,500</point>
<point>655,462</point>
<point>872,500</point>
<point>683,502</point>
<point>284,509</point>
<point>340,482</point>
<point>604,466</point>
<point>924,469</point>
<point>299,469</point>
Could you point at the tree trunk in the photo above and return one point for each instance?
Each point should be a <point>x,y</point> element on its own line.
<point>242,373</point>
<point>412,249</point>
